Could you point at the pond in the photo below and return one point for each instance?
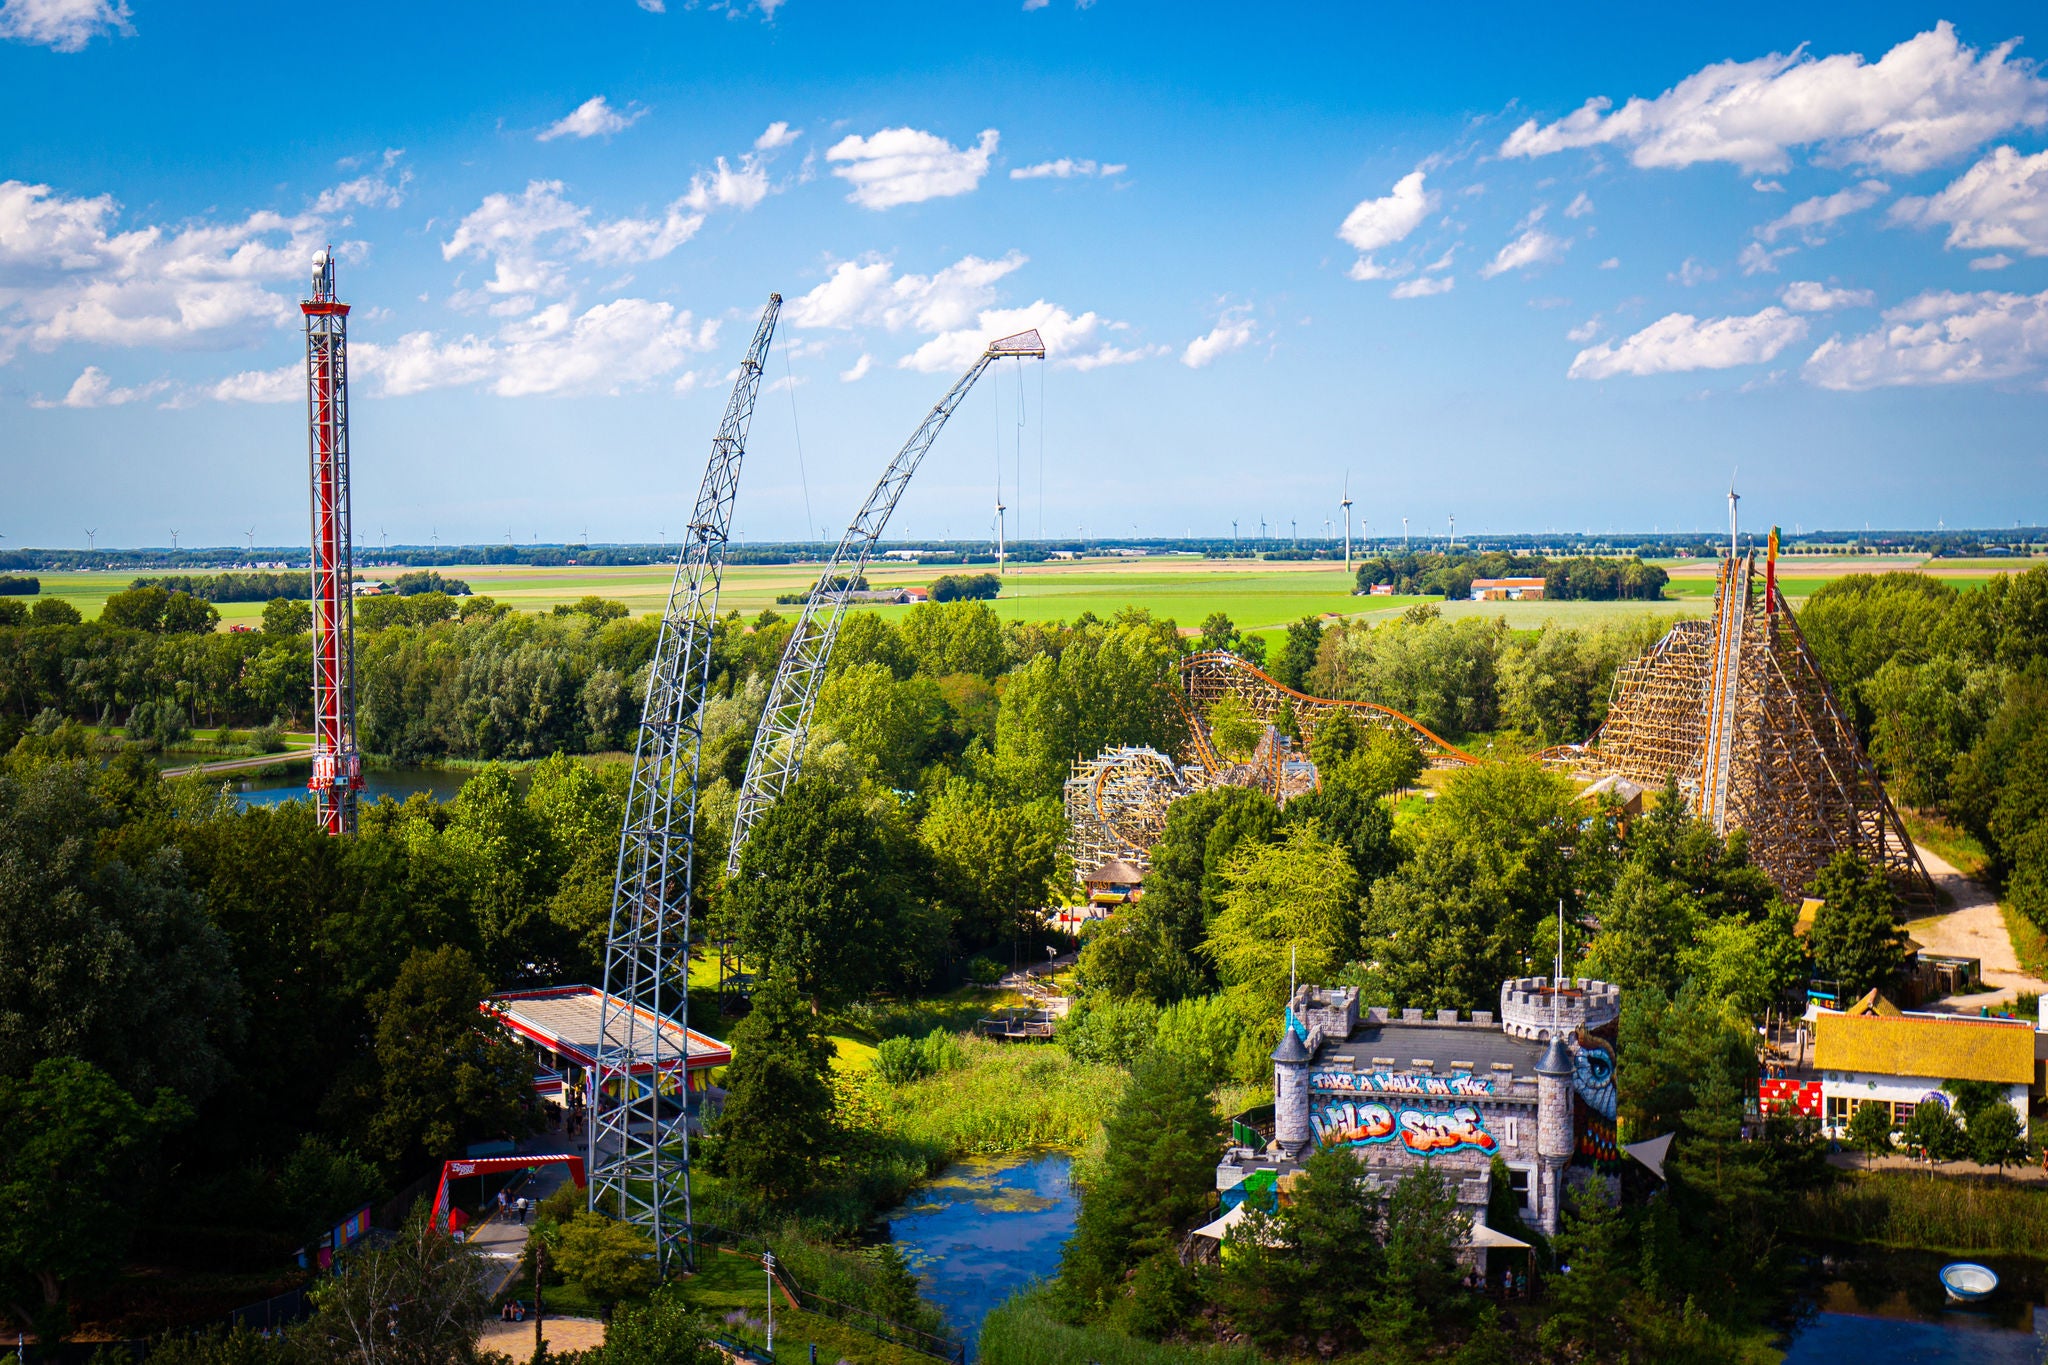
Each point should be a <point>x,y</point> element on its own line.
<point>395,782</point>
<point>1889,1306</point>
<point>984,1229</point>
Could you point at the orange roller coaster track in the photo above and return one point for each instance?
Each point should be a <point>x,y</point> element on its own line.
<point>1206,678</point>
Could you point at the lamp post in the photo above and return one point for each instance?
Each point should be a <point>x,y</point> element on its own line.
<point>768,1264</point>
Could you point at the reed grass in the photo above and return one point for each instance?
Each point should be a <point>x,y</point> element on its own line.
<point>1010,1097</point>
<point>1023,1330</point>
<point>1931,1213</point>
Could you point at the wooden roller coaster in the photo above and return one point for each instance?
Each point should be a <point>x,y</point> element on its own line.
<point>1734,709</point>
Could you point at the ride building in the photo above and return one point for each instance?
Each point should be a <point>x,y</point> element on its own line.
<point>1533,1086</point>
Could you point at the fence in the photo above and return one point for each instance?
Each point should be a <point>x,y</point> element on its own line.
<point>854,1316</point>
<point>269,1315</point>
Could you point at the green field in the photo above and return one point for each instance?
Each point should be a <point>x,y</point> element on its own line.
<point>1261,597</point>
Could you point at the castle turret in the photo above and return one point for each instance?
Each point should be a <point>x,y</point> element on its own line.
<point>1290,1094</point>
<point>1554,1136</point>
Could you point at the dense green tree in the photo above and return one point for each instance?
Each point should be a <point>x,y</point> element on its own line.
<point>663,1331</point>
<point>1297,653</point>
<point>1933,1132</point>
<point>776,1126</point>
<point>1444,674</point>
<point>53,611</point>
<point>159,612</point>
<point>1924,718</point>
<point>609,1259</point>
<point>822,892</point>
<point>1856,940</point>
<point>1107,686</point>
<point>1290,907</point>
<point>72,1143</point>
<point>995,864</point>
<point>1474,902</point>
<point>446,1075</point>
<point>1314,1268</point>
<point>1586,1305</point>
<point>1157,1176</point>
<point>1871,1128</point>
<point>106,954</point>
<point>889,723</point>
<point>1749,965</point>
<point>1995,1137</point>
<point>943,638</point>
<point>1233,730</point>
<point>1644,920</point>
<point>1859,623</point>
<point>285,616</point>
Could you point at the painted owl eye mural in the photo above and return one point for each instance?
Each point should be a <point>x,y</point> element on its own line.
<point>1593,1073</point>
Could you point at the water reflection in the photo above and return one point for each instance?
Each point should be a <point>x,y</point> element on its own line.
<point>1890,1305</point>
<point>397,783</point>
<point>985,1228</point>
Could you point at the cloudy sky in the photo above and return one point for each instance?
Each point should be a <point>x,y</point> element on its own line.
<point>1532,274</point>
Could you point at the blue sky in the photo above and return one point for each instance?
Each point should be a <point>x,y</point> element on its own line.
<point>1532,273</point>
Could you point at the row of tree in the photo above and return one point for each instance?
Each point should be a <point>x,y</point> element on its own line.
<point>1449,573</point>
<point>1950,690</point>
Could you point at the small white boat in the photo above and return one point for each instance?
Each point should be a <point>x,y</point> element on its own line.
<point>1967,1282</point>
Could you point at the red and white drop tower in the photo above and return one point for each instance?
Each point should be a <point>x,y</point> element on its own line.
<point>337,763</point>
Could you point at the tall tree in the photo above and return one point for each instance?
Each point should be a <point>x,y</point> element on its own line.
<point>1157,1176</point>
<point>420,1300</point>
<point>776,1125</point>
<point>821,892</point>
<point>446,1075</point>
<point>1856,939</point>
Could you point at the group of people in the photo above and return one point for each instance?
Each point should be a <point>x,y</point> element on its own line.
<point>512,1310</point>
<point>1512,1285</point>
<point>521,1206</point>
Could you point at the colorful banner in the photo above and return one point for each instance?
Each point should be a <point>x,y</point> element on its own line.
<point>1425,1132</point>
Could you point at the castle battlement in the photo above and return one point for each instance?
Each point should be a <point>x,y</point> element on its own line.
<point>1531,1008</point>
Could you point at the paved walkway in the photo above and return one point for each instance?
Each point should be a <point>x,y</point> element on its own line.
<point>501,1238</point>
<point>1862,1161</point>
<point>1974,928</point>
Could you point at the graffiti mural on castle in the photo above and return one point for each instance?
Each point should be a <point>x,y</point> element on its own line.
<point>1399,1083</point>
<point>1425,1132</point>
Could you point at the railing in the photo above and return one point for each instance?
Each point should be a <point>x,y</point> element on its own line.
<point>860,1319</point>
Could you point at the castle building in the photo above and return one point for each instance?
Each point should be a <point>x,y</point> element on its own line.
<point>1533,1086</point>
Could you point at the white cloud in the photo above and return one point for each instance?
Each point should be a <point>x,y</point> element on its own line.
<point>1680,341</point>
<point>1928,100</point>
<point>1368,268</point>
<point>377,190</point>
<point>92,389</point>
<point>1758,259</point>
<point>858,370</point>
<point>1998,261</point>
<point>1811,296</point>
<point>1233,331</point>
<point>1424,287</point>
<point>1532,247</point>
<point>1812,217</point>
<point>908,166</point>
<point>285,384</point>
<point>522,236</point>
<point>778,136</point>
<point>63,25</point>
<point>2002,201</point>
<point>1691,272</point>
<point>592,118</point>
<point>1580,206</point>
<point>1940,338</point>
<point>1611,263</point>
<point>1766,187</point>
<point>870,294</point>
<point>1065,169</point>
<point>1377,223</point>
<point>66,276</point>
<point>1107,354</point>
<point>1585,331</point>
<point>726,187</point>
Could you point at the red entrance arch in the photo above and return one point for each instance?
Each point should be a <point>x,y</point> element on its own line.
<point>486,1165</point>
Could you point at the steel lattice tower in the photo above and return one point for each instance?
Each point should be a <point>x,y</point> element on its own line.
<point>639,1138</point>
<point>337,763</point>
<point>778,752</point>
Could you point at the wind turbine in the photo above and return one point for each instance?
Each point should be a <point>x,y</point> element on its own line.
<point>1294,532</point>
<point>1454,531</point>
<point>1733,498</point>
<point>250,536</point>
<point>1404,533</point>
<point>174,539</point>
<point>89,544</point>
<point>1346,505</point>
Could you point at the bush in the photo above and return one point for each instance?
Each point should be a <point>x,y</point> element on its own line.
<point>965,587</point>
<point>899,1060</point>
<point>163,723</point>
<point>1110,1033</point>
<point>984,971</point>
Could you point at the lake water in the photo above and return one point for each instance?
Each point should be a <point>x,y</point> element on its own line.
<point>397,783</point>
<point>984,1229</point>
<point>1889,1306</point>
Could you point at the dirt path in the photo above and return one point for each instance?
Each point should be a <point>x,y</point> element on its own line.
<point>1975,928</point>
<point>515,1339</point>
